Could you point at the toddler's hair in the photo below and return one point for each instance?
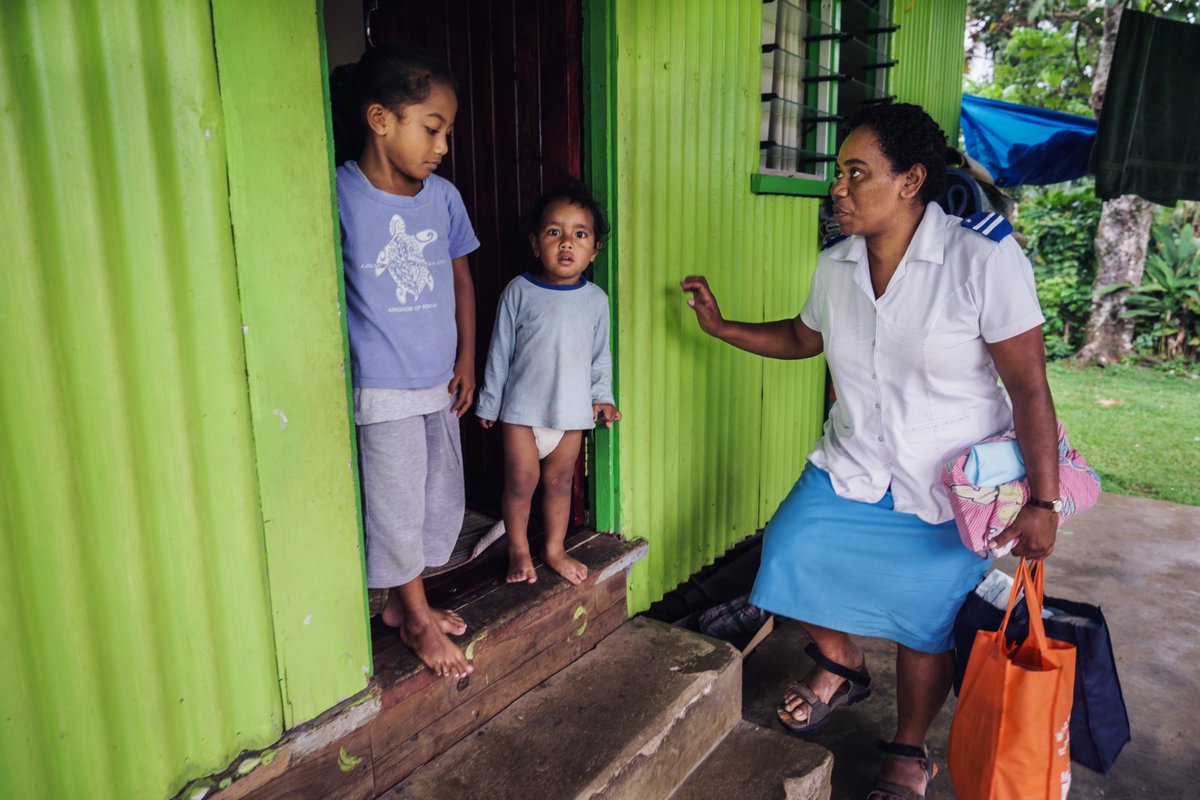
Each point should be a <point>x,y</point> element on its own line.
<point>577,193</point>
<point>391,76</point>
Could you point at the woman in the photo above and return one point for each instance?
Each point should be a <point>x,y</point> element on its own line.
<point>918,313</point>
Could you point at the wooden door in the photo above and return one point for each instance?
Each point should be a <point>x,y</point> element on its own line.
<point>519,132</point>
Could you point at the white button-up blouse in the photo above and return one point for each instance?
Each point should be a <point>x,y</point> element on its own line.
<point>914,381</point>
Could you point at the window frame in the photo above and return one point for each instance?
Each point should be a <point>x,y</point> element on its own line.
<point>820,94</point>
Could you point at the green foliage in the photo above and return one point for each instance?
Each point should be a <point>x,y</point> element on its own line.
<point>1044,54</point>
<point>1182,10</point>
<point>1041,67</point>
<point>1180,368</point>
<point>1060,226</point>
<point>993,21</point>
<point>1166,306</point>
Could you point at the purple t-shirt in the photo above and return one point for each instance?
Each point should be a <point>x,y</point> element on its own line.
<point>396,255</point>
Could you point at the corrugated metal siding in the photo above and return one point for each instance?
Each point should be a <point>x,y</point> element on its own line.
<point>793,394</point>
<point>289,276</point>
<point>133,590</point>
<point>695,474</point>
<point>929,47</point>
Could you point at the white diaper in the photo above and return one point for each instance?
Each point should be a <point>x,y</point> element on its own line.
<point>546,440</point>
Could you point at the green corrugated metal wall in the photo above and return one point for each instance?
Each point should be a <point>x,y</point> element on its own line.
<point>144,643</point>
<point>929,47</point>
<point>712,438</point>
<point>282,205</point>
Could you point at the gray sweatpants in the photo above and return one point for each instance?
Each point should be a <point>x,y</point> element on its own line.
<point>413,498</point>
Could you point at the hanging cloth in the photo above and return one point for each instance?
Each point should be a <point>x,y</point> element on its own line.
<point>1025,145</point>
<point>1147,143</point>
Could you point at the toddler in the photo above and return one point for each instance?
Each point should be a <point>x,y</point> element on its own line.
<point>549,374</point>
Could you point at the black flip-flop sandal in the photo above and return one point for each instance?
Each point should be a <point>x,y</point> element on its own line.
<point>886,790</point>
<point>857,687</point>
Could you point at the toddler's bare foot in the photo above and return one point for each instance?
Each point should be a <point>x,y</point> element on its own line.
<point>564,565</point>
<point>520,568</point>
<point>433,648</point>
<point>449,621</point>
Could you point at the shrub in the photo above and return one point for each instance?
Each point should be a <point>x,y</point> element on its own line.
<point>1060,227</point>
<point>1166,306</point>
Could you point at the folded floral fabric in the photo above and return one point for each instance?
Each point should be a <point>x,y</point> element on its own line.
<point>984,505</point>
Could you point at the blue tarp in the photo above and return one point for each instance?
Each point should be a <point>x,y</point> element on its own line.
<point>1026,145</point>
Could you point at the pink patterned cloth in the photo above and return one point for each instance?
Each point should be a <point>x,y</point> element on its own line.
<point>983,512</point>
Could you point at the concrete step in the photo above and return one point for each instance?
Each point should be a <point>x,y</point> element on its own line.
<point>631,719</point>
<point>754,763</point>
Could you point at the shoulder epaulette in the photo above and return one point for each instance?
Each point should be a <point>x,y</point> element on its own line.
<point>830,241</point>
<point>989,224</point>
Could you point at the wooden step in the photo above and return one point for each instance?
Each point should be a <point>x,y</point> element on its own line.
<point>518,635</point>
<point>631,719</point>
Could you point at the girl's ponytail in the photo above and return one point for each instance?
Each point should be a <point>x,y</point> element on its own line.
<point>349,134</point>
<point>395,77</point>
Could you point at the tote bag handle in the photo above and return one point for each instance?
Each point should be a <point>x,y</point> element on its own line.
<point>1031,579</point>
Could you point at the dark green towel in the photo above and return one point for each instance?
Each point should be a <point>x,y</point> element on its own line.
<point>1148,141</point>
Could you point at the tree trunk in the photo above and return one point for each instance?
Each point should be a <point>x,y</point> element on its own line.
<point>1121,239</point>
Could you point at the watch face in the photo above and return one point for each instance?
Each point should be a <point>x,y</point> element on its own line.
<point>1058,505</point>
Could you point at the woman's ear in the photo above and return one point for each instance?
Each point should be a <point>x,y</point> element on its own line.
<point>914,179</point>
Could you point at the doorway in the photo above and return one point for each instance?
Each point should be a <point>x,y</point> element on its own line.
<point>518,133</point>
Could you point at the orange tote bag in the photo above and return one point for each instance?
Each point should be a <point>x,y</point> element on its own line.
<point>1009,739</point>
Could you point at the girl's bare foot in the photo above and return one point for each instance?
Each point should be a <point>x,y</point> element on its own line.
<point>520,568</point>
<point>574,571</point>
<point>441,655</point>
<point>449,621</point>
<point>393,610</point>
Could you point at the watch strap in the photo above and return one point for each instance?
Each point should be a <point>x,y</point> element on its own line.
<point>1049,505</point>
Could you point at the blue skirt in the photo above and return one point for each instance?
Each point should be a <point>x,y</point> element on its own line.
<point>864,568</point>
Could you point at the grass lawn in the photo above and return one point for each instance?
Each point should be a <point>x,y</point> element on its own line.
<point>1139,428</point>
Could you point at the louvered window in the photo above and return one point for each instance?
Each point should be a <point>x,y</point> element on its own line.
<point>821,60</point>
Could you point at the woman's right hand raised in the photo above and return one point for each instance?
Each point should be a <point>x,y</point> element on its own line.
<point>708,314</point>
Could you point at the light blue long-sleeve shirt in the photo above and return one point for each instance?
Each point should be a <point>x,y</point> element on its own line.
<point>549,358</point>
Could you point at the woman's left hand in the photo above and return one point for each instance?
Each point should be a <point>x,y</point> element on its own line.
<point>1038,529</point>
<point>463,383</point>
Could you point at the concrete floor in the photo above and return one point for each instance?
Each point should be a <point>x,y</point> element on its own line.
<point>1140,560</point>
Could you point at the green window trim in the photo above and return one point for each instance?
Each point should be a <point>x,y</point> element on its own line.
<point>600,170</point>
<point>766,183</point>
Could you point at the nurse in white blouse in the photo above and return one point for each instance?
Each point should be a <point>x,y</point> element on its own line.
<point>918,314</point>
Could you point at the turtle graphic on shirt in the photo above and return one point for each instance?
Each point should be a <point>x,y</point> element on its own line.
<point>403,258</point>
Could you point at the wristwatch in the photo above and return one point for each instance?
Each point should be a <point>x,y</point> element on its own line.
<point>1054,505</point>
